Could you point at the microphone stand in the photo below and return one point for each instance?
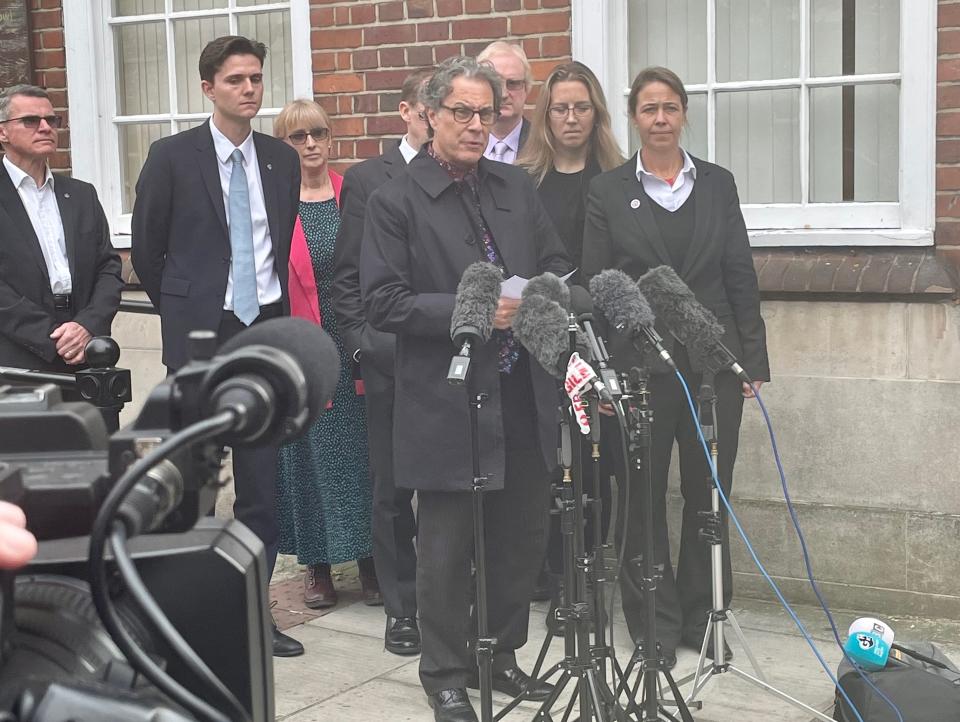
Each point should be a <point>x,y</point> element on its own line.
<point>721,614</point>
<point>459,374</point>
<point>595,698</point>
<point>648,654</point>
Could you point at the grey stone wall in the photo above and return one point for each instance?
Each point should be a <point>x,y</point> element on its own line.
<point>865,402</point>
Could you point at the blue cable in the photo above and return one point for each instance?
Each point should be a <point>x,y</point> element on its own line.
<point>756,559</point>
<point>806,558</point>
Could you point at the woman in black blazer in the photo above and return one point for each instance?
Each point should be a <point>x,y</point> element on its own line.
<point>664,207</point>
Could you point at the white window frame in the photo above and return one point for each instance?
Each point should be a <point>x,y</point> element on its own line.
<point>94,139</point>
<point>600,40</point>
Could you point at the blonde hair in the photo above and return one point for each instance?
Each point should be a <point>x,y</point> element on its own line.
<point>301,113</point>
<point>539,150</point>
<point>501,47</point>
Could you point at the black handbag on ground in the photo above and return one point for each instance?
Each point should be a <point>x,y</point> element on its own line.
<point>920,680</point>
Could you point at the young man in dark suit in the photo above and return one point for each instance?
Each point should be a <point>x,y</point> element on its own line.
<point>212,223</point>
<point>59,275</point>
<point>394,525</point>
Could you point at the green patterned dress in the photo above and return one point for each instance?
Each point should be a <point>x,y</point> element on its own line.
<point>324,495</point>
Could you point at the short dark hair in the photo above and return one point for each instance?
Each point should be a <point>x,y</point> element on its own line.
<point>440,85</point>
<point>217,51</point>
<point>656,74</point>
<point>412,84</point>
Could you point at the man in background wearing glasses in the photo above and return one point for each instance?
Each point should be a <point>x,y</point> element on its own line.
<point>422,229</point>
<point>59,275</point>
<point>510,130</point>
<point>212,223</point>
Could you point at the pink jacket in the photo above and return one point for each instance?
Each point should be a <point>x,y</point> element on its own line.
<point>302,285</point>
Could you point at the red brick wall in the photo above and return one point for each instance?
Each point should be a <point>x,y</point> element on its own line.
<point>49,66</point>
<point>362,50</point>
<point>948,131</point>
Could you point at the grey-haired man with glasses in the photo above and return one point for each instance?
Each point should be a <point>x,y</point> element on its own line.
<point>59,275</point>
<point>452,208</point>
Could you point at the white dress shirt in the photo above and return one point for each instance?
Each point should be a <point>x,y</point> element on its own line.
<point>407,151</point>
<point>268,282</point>
<point>669,197</point>
<point>512,143</point>
<point>44,213</point>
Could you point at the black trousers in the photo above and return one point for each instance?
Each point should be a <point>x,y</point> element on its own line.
<point>683,597</point>
<point>393,523</point>
<point>515,529</point>
<point>255,469</point>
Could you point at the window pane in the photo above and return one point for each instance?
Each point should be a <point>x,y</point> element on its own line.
<point>758,39</point>
<point>141,55</point>
<point>672,33</point>
<point>273,30</point>
<point>264,123</point>
<point>854,143</point>
<point>249,3</point>
<point>758,140</point>
<point>189,38</point>
<point>872,34</point>
<point>136,7</point>
<point>199,5</point>
<point>135,141</point>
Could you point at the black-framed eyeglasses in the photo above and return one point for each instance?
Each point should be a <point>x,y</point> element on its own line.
<point>463,115</point>
<point>580,110</point>
<point>515,84</point>
<point>299,137</point>
<point>33,121</point>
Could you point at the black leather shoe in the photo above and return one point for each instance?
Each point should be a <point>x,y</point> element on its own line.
<point>284,645</point>
<point>452,705</point>
<point>402,636</point>
<point>514,682</point>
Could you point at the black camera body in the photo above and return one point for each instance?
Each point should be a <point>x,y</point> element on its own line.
<point>208,576</point>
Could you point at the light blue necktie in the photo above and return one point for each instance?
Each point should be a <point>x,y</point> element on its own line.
<point>246,305</point>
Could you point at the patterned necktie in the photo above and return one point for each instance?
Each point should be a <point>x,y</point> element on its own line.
<point>246,305</point>
<point>500,151</point>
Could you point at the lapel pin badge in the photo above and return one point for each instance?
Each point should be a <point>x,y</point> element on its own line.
<point>269,166</point>
<point>66,195</point>
<point>635,203</point>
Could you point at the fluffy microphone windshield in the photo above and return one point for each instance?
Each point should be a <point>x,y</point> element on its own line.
<point>478,294</point>
<point>309,345</point>
<point>620,300</point>
<point>550,287</point>
<point>541,326</point>
<point>676,306</point>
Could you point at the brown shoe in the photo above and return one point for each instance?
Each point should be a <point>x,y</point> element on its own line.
<point>318,591</point>
<point>371,590</point>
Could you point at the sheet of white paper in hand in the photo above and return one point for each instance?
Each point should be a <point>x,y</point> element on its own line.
<point>513,286</point>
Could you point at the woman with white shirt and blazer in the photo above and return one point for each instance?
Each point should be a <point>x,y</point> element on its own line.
<point>665,207</point>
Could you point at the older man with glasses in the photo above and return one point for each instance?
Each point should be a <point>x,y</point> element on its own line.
<point>510,129</point>
<point>59,275</point>
<point>452,208</point>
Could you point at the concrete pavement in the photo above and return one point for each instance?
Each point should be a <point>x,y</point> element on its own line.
<point>347,676</point>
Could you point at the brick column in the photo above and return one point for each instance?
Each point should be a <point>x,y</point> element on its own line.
<point>947,232</point>
<point>363,50</point>
<point>50,67</point>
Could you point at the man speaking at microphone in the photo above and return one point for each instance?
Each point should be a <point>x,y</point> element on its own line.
<point>451,209</point>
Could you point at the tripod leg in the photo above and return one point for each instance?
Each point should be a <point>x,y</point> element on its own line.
<point>746,648</point>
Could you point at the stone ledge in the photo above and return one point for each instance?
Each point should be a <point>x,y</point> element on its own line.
<point>855,271</point>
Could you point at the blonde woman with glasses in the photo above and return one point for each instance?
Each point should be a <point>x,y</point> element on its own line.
<point>324,496</point>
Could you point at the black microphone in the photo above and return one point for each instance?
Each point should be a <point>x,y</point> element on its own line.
<point>693,324</point>
<point>550,286</point>
<point>582,306</point>
<point>279,375</point>
<point>543,328</point>
<point>620,300</point>
<point>478,295</point>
